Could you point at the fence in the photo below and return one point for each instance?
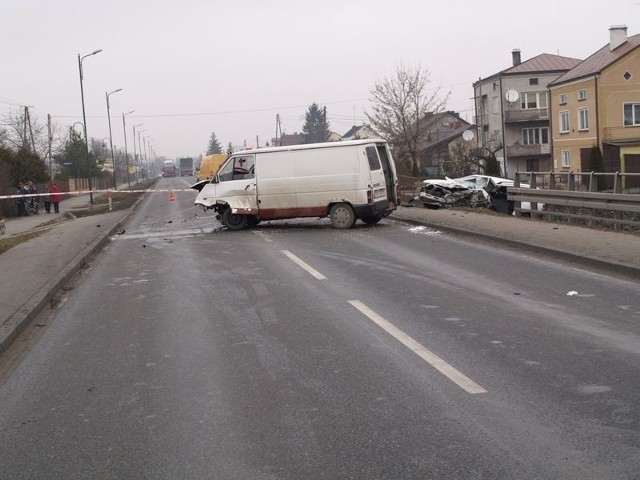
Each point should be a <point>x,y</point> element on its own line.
<point>579,197</point>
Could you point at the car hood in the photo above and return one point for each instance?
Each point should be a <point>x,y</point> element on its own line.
<point>200,185</point>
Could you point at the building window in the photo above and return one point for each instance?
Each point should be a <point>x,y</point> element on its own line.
<point>583,119</point>
<point>533,81</point>
<point>566,158</point>
<point>631,114</point>
<point>535,136</point>
<point>563,99</point>
<point>496,105</point>
<point>495,86</point>
<point>564,122</point>
<point>536,101</point>
<point>582,94</point>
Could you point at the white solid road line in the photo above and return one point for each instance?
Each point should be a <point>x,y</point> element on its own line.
<point>432,359</point>
<point>302,264</point>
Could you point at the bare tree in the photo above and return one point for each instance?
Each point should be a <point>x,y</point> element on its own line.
<point>487,156</point>
<point>462,160</point>
<point>401,106</point>
<point>25,132</point>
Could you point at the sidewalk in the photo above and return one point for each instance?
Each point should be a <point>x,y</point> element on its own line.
<point>612,251</point>
<point>15,225</point>
<point>33,272</point>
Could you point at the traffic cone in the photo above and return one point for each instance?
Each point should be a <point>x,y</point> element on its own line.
<point>171,196</point>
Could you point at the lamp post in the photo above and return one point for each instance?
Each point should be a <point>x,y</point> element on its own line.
<point>113,159</point>
<point>147,146</point>
<point>135,155</point>
<point>84,119</point>
<point>146,158</point>
<point>126,154</point>
<point>140,147</point>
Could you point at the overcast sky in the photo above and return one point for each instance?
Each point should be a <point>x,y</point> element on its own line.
<point>192,67</point>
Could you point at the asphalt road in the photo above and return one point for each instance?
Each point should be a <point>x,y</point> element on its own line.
<point>294,350</point>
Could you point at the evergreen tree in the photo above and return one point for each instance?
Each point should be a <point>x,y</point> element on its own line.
<point>492,167</point>
<point>229,148</point>
<point>72,160</point>
<point>24,166</point>
<point>316,128</point>
<point>214,145</point>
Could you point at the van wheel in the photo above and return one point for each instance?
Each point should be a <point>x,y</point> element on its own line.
<point>233,221</point>
<point>371,220</point>
<point>342,216</point>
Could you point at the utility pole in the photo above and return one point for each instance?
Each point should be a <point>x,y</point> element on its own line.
<point>278,131</point>
<point>50,138</point>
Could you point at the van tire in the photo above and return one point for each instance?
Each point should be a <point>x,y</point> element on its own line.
<point>233,221</point>
<point>342,216</point>
<point>371,220</point>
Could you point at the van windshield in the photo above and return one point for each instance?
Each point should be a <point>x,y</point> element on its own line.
<point>237,168</point>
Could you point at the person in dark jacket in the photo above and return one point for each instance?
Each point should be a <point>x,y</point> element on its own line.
<point>47,199</point>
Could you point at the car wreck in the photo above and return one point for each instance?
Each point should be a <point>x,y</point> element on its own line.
<point>473,191</point>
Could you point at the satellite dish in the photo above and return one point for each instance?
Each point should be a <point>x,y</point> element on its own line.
<point>467,135</point>
<point>512,96</point>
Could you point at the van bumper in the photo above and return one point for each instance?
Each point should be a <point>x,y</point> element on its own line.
<point>375,209</point>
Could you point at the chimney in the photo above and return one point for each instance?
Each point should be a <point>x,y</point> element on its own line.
<point>515,55</point>
<point>618,36</point>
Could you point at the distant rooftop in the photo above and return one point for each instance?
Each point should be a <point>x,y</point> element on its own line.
<point>544,62</point>
<point>599,60</point>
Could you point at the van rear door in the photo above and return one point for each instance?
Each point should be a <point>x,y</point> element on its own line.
<point>383,178</point>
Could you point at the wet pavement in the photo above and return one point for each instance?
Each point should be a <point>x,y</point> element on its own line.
<point>33,272</point>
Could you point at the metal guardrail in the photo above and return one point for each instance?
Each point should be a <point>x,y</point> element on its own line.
<point>577,201</point>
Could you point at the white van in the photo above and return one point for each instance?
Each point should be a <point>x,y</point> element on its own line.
<point>343,180</point>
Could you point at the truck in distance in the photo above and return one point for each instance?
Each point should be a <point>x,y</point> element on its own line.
<point>168,169</point>
<point>186,166</point>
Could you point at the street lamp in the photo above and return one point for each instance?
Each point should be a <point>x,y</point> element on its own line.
<point>139,149</point>
<point>149,157</point>
<point>126,154</point>
<point>84,120</point>
<point>113,159</point>
<point>135,155</point>
<point>145,148</point>
<point>72,128</point>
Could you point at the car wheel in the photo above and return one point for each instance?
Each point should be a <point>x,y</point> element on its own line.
<point>342,216</point>
<point>233,221</point>
<point>371,220</point>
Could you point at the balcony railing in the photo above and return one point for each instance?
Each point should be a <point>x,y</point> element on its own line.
<point>528,150</point>
<point>528,115</point>
<point>622,134</point>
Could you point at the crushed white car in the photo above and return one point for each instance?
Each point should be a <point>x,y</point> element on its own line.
<point>474,191</point>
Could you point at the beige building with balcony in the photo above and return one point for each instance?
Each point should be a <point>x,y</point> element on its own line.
<point>597,103</point>
<point>512,112</point>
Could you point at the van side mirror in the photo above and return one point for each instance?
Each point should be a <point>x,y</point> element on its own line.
<point>215,179</point>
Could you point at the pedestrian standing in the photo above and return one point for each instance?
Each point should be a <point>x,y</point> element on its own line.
<point>55,198</point>
<point>46,198</point>
<point>20,201</point>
